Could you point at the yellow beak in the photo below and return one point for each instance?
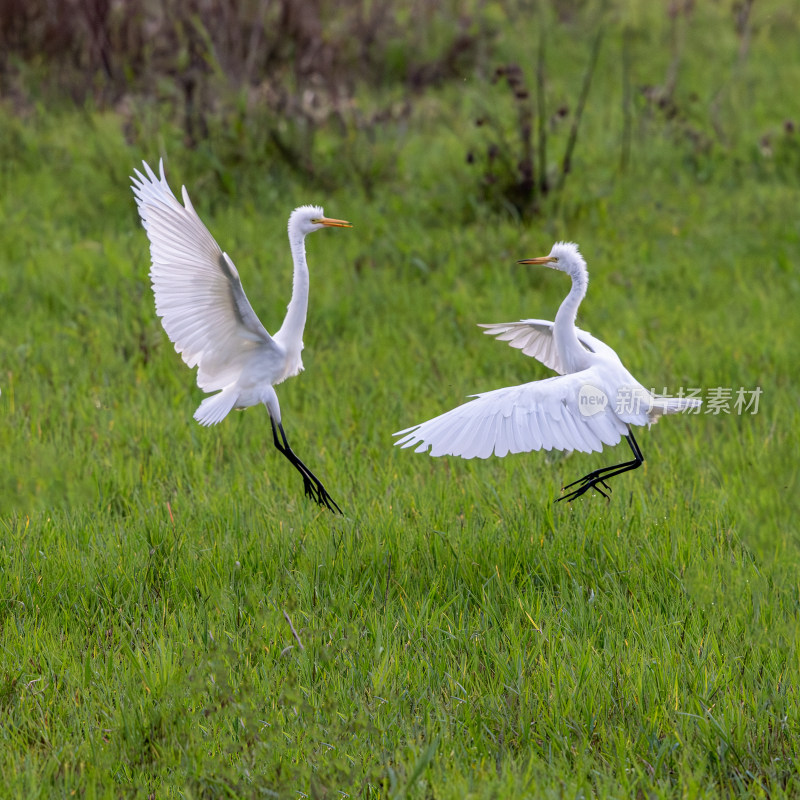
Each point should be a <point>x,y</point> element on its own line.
<point>540,260</point>
<point>331,223</point>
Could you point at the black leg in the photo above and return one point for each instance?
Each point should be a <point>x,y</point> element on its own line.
<point>598,477</point>
<point>311,483</point>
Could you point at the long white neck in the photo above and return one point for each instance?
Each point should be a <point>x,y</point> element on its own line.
<point>571,351</point>
<point>291,332</point>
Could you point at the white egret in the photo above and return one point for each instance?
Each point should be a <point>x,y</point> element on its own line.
<point>208,317</point>
<point>593,401</point>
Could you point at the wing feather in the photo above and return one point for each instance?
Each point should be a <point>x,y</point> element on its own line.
<point>539,415</point>
<point>537,434</point>
<point>198,292</point>
<point>534,337</point>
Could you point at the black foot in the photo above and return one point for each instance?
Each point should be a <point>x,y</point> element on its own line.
<point>319,494</point>
<point>312,486</point>
<point>590,481</point>
<point>599,477</point>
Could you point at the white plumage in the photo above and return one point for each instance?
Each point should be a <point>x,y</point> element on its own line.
<point>207,315</point>
<point>593,402</point>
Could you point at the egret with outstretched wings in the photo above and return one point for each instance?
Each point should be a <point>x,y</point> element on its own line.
<point>208,317</point>
<point>592,402</point>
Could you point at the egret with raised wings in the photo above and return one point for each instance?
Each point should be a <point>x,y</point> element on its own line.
<point>593,401</point>
<point>208,317</point>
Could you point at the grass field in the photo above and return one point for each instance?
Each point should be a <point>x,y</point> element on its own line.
<point>178,621</point>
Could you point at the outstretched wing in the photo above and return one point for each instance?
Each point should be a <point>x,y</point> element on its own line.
<point>535,338</point>
<point>542,415</point>
<point>199,295</point>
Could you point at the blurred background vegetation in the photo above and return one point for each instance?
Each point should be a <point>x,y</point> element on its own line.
<point>327,88</point>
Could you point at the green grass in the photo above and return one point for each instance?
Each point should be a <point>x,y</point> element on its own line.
<point>463,636</point>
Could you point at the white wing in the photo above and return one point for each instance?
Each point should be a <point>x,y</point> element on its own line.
<point>534,416</point>
<point>535,338</point>
<point>199,295</point>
